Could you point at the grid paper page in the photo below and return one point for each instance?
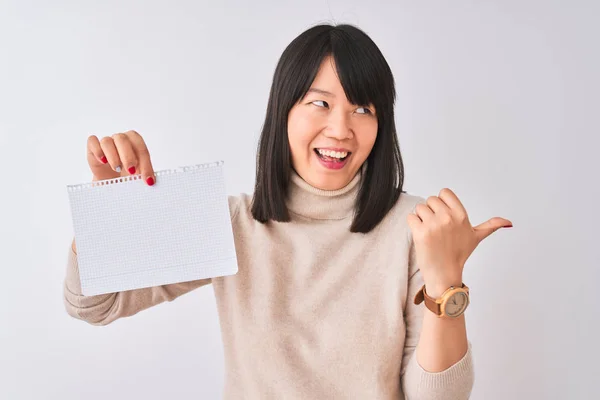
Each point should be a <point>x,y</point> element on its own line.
<point>130,235</point>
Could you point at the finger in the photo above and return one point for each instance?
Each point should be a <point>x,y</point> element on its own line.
<point>126,152</point>
<point>490,226</point>
<point>111,153</point>
<point>424,212</point>
<point>437,205</point>
<point>453,202</point>
<point>414,222</point>
<point>143,155</point>
<point>95,150</point>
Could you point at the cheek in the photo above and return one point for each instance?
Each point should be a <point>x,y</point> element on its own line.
<point>301,132</point>
<point>367,138</point>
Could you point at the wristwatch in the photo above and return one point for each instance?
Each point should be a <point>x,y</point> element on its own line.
<point>451,304</point>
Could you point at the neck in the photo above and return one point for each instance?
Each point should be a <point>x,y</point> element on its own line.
<point>314,203</point>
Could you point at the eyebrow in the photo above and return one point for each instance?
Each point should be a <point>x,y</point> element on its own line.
<point>320,91</point>
<point>326,93</point>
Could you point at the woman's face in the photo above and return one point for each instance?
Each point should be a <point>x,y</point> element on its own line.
<point>329,138</point>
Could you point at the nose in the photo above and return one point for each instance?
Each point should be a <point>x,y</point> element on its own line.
<point>338,127</point>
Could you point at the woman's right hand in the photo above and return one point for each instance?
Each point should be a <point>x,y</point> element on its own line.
<point>125,152</point>
<point>118,155</point>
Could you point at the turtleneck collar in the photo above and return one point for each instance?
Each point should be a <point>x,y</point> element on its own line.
<point>314,203</point>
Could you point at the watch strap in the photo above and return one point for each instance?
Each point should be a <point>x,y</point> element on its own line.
<point>432,304</point>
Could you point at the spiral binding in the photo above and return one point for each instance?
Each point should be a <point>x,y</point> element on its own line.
<point>129,178</point>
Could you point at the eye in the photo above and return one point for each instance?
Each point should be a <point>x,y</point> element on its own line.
<point>320,101</point>
<point>366,110</point>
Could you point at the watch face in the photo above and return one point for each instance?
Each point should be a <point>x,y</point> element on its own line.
<point>456,304</point>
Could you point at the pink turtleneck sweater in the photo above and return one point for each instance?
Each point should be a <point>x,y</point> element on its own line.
<point>315,311</point>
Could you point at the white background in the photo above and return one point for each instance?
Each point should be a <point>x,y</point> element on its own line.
<point>497,100</point>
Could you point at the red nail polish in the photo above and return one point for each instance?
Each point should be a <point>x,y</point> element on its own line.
<point>508,226</point>
<point>104,160</point>
<point>150,181</point>
<point>131,170</point>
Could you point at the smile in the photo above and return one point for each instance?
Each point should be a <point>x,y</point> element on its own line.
<point>332,159</point>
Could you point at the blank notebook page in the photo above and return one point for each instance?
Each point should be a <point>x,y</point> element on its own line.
<point>130,235</point>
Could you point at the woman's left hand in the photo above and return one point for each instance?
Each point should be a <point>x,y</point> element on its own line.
<point>444,239</point>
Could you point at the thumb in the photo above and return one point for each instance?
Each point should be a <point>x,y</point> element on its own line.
<point>490,226</point>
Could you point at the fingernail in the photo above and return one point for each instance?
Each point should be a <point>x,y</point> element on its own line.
<point>131,170</point>
<point>104,160</point>
<point>508,226</point>
<point>150,181</point>
<point>118,169</point>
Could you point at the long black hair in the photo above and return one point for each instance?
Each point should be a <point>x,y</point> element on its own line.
<point>367,79</point>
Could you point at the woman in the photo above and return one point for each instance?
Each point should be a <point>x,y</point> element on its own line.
<point>332,253</point>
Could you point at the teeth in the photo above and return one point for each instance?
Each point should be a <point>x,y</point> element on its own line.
<point>336,154</point>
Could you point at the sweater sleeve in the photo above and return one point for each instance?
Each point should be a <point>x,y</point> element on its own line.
<point>105,308</point>
<point>454,383</point>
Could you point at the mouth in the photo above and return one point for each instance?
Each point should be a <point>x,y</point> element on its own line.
<point>332,159</point>
<point>331,156</point>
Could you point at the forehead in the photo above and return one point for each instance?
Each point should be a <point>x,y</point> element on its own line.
<point>327,84</point>
<point>327,79</point>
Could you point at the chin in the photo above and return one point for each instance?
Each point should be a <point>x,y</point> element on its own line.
<point>331,181</point>
<point>327,177</point>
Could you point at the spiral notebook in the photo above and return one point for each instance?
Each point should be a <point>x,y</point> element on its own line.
<point>130,235</point>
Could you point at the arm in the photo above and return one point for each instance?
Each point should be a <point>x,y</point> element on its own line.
<point>443,341</point>
<point>105,308</point>
<point>442,366</point>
